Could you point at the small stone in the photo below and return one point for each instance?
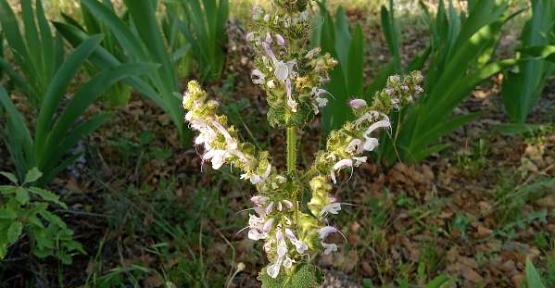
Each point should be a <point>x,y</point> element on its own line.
<point>484,232</point>
<point>547,201</point>
<point>517,280</point>
<point>484,206</point>
<point>367,270</point>
<point>509,267</point>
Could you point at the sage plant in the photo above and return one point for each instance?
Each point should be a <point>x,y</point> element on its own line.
<point>291,208</point>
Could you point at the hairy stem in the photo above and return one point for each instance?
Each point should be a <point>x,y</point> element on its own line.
<point>291,150</point>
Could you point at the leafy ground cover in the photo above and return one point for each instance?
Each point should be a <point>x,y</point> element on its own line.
<point>150,214</point>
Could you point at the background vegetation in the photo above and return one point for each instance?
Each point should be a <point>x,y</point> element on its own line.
<point>100,172</point>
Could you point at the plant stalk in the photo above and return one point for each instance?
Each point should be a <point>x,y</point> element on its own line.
<point>291,150</point>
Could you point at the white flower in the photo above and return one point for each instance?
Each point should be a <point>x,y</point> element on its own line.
<point>288,262</point>
<point>259,200</point>
<point>268,225</point>
<point>268,38</point>
<point>394,78</point>
<point>370,144</point>
<point>273,270</point>
<point>327,230</point>
<point>332,208</point>
<point>217,157</point>
<point>206,136</point>
<point>359,160</point>
<point>256,235</point>
<point>283,258</point>
<point>321,102</point>
<point>255,178</point>
<point>290,102</point>
<point>256,227</point>
<point>304,16</point>
<point>270,208</point>
<point>371,116</point>
<point>281,70</point>
<point>354,146</point>
<point>271,84</point>
<point>339,165</point>
<point>257,77</point>
<point>288,203</point>
<point>299,245</point>
<point>189,116</point>
<point>269,51</point>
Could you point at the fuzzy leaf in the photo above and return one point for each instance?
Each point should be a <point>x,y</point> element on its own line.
<point>304,276</point>
<point>14,231</point>
<point>47,196</point>
<point>21,195</point>
<point>10,177</point>
<point>32,176</point>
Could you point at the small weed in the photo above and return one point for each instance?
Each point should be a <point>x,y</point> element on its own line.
<point>430,259</point>
<point>460,225</point>
<point>472,160</point>
<point>511,198</point>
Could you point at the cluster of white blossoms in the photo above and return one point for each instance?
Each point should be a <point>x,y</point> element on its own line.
<point>289,233</point>
<point>292,76</point>
<point>346,146</point>
<point>293,228</point>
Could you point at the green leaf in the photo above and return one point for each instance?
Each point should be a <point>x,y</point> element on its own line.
<point>21,195</point>
<point>303,276</point>
<point>391,34</point>
<point>532,276</point>
<point>33,175</point>
<point>10,177</point>
<point>19,143</point>
<point>63,135</point>
<point>521,90</point>
<point>106,59</point>
<point>355,65</point>
<point>7,189</point>
<point>15,230</point>
<point>56,92</point>
<point>34,220</point>
<point>54,220</point>
<point>438,282</point>
<point>47,196</point>
<point>143,44</point>
<point>518,129</point>
<point>9,212</point>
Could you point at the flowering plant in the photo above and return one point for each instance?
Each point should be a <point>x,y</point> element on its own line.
<point>292,207</point>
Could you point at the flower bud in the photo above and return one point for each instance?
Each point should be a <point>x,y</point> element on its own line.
<point>280,40</point>
<point>357,103</point>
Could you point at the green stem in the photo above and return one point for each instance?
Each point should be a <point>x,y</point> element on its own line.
<point>291,150</point>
